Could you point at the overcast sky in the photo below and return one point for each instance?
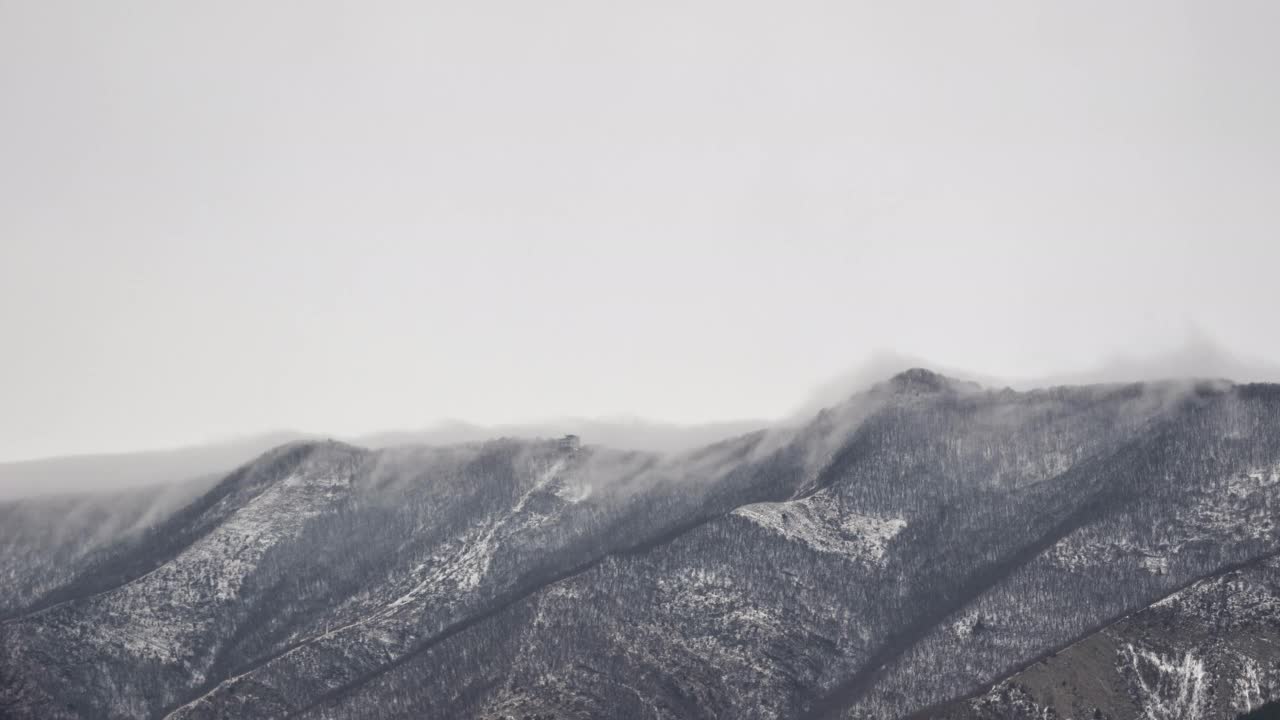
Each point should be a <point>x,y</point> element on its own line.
<point>227,217</point>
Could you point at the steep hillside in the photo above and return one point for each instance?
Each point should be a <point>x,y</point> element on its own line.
<point>1209,651</point>
<point>914,544</point>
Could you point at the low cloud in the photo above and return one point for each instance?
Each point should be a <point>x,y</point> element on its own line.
<point>1198,357</point>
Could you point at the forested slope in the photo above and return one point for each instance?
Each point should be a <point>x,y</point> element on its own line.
<point>907,547</point>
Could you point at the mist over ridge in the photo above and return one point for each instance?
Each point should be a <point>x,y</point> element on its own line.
<point>1196,358</point>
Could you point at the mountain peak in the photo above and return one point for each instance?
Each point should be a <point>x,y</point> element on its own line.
<point>922,380</point>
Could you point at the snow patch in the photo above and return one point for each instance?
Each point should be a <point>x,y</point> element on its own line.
<point>1251,688</point>
<point>818,522</point>
<point>1170,688</point>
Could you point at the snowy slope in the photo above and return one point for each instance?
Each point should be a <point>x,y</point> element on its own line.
<point>910,546</point>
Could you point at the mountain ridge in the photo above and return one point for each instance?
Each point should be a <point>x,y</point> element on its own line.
<point>918,484</point>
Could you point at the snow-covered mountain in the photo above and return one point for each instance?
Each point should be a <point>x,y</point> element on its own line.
<point>921,549</point>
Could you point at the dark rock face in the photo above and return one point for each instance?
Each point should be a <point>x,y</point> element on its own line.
<point>911,546</point>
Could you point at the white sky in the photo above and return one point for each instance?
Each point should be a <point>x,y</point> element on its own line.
<point>221,218</point>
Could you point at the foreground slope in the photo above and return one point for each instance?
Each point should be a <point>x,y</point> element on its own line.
<point>1209,651</point>
<point>907,547</point>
